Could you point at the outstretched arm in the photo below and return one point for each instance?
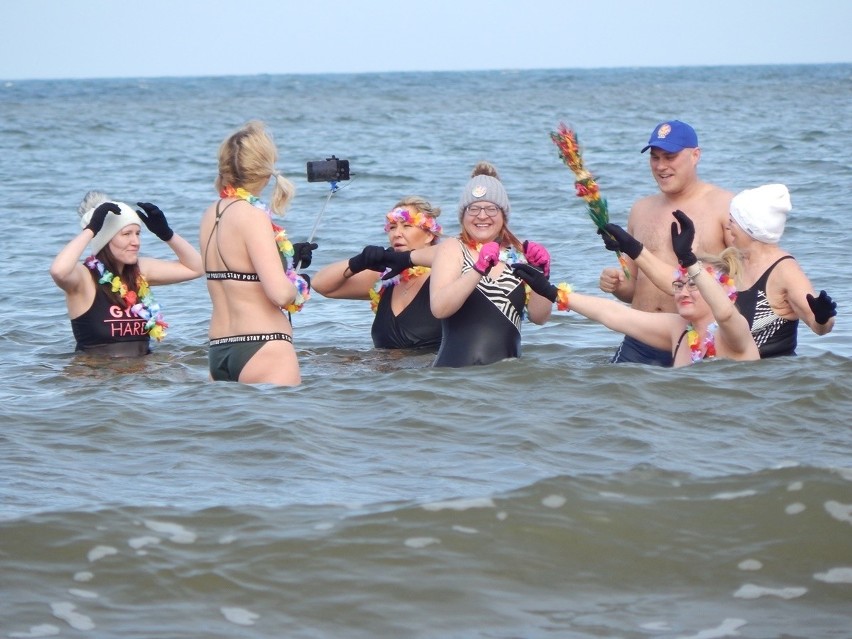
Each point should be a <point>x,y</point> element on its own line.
<point>655,269</point>
<point>188,266</point>
<point>332,281</point>
<point>654,329</point>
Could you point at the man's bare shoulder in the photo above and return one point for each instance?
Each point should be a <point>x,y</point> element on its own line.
<point>646,207</point>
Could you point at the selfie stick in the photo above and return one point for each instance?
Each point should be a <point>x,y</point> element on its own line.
<point>334,189</point>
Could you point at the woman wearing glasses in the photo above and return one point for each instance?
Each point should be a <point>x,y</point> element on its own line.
<point>776,293</point>
<point>707,324</point>
<point>474,291</point>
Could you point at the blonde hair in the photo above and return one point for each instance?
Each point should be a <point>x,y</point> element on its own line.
<point>421,205</point>
<point>247,159</point>
<point>729,261</point>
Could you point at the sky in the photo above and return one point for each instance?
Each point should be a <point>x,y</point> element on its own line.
<point>53,39</point>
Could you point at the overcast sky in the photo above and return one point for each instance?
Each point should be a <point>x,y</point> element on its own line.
<point>153,38</point>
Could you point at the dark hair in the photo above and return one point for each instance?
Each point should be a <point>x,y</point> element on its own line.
<point>129,274</point>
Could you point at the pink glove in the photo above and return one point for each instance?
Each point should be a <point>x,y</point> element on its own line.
<point>538,256</point>
<point>489,255</point>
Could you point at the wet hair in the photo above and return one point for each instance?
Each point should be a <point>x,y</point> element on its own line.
<point>247,159</point>
<point>506,237</point>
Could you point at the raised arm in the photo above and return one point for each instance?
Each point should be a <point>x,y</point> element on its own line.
<point>659,272</point>
<point>66,269</point>
<point>188,265</point>
<point>733,327</point>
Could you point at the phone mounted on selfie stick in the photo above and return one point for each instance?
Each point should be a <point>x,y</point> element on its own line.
<point>331,170</point>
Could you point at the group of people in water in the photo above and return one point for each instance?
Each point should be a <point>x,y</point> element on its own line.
<point>704,274</point>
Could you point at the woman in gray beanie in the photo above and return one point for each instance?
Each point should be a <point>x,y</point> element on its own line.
<point>474,291</point>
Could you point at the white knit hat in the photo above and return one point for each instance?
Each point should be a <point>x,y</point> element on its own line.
<point>762,212</point>
<point>112,224</point>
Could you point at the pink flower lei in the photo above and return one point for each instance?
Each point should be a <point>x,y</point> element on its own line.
<point>417,218</point>
<point>285,246</point>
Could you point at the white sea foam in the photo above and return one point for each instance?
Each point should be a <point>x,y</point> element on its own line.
<point>99,552</point>
<point>835,576</point>
<point>177,533</point>
<point>240,616</point>
<point>753,591</point>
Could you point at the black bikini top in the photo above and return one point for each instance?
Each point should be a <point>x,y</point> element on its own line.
<point>226,274</point>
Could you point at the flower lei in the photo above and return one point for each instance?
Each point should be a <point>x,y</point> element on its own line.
<point>707,349</point>
<point>508,254</point>
<point>725,280</point>
<point>418,219</point>
<point>569,152</point>
<point>563,290</point>
<point>381,285</point>
<point>699,351</point>
<point>285,246</point>
<point>511,256</point>
<point>140,304</point>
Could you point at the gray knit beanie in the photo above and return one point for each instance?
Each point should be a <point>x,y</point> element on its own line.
<point>484,188</point>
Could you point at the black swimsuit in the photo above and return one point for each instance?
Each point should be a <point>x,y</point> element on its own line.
<point>414,327</point>
<point>107,329</point>
<point>774,335</point>
<point>487,327</point>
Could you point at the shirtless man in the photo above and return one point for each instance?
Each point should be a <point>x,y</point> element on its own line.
<point>674,164</point>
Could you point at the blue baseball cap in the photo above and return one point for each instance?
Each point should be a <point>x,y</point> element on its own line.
<point>673,136</point>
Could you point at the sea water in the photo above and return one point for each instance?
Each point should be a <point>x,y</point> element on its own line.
<point>555,495</point>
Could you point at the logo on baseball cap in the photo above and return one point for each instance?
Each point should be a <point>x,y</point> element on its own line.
<point>673,136</point>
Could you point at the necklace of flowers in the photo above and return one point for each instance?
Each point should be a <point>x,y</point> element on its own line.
<point>141,303</point>
<point>381,285</point>
<point>700,350</point>
<point>285,246</point>
<point>508,254</point>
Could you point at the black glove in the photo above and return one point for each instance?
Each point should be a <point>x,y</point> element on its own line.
<point>303,253</point>
<point>372,257</point>
<point>823,307</point>
<point>155,220</point>
<point>97,222</point>
<point>536,279</point>
<point>682,240</point>
<point>617,239</point>
<point>397,262</point>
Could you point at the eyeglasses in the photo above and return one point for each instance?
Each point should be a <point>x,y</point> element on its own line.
<point>490,210</point>
<point>678,286</point>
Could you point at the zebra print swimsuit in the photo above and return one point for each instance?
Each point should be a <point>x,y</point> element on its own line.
<point>487,327</point>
